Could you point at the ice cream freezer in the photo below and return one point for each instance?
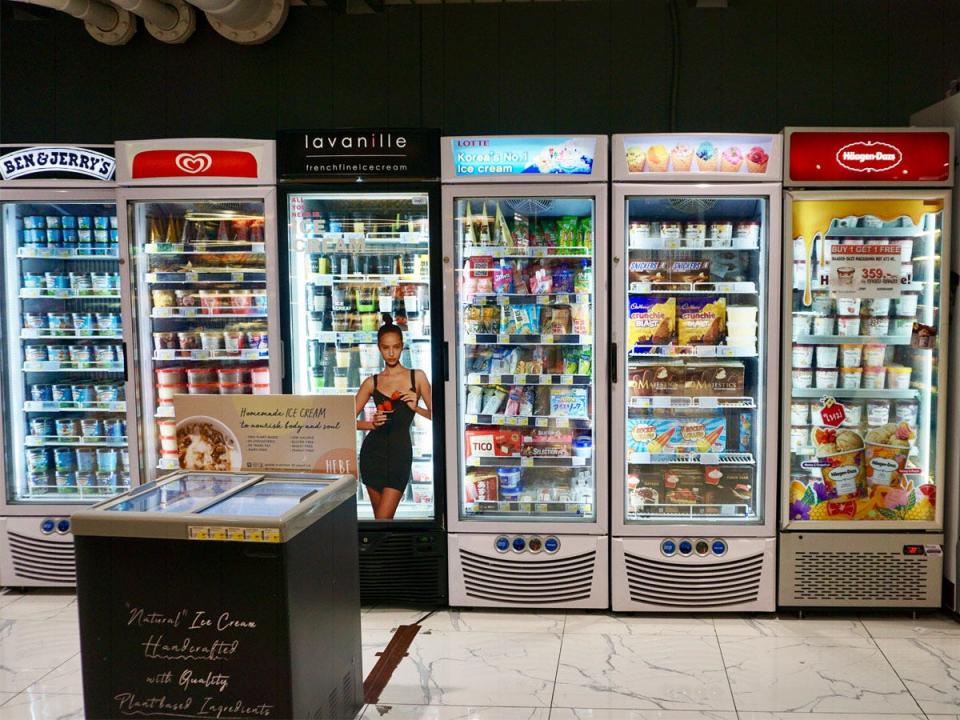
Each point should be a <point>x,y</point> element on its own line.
<point>221,595</point>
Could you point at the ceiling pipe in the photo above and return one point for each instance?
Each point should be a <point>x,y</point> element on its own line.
<point>247,22</point>
<point>171,21</point>
<point>103,21</point>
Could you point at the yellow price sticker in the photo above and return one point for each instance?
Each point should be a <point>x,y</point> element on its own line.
<point>503,338</point>
<point>543,422</point>
<point>218,533</point>
<point>254,535</point>
<point>566,379</point>
<point>236,534</point>
<point>271,535</point>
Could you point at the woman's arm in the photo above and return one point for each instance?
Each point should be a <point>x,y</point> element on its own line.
<point>363,395</point>
<point>424,391</point>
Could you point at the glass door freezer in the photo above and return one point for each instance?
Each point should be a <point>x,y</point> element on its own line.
<point>525,285</point>
<point>695,308</point>
<point>68,401</point>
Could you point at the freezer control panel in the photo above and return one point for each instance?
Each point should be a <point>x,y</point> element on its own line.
<point>519,543</point>
<point>687,547</point>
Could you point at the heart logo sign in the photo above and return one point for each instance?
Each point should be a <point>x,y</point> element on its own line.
<point>193,163</point>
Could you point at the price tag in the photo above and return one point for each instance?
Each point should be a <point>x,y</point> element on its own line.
<point>547,339</point>
<point>191,277</point>
<point>470,419</point>
<point>237,276</point>
<point>543,422</point>
<point>538,251</point>
<point>513,420</point>
<point>725,287</point>
<point>671,243</point>
<point>199,533</point>
<point>525,507</point>
<point>562,422</point>
<point>566,379</point>
<point>563,299</point>
<point>236,534</point>
<point>543,507</point>
<point>470,339</point>
<point>271,535</point>
<point>543,299</point>
<point>253,535</point>
<point>520,380</point>
<point>526,462</point>
<point>869,271</point>
<point>498,419</point>
<point>503,338</point>
<point>503,300</point>
<point>218,533</point>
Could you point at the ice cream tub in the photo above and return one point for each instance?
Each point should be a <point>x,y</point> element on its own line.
<point>877,307</point>
<point>34,321</point>
<point>803,356</point>
<point>877,326</point>
<point>885,464</point>
<point>824,325</point>
<point>231,376</point>
<point>848,306</point>
<point>107,321</point>
<point>799,438</point>
<point>35,222</point>
<point>233,341</point>
<point>201,375</point>
<point>83,321</point>
<point>874,377</point>
<point>827,356</point>
<point>800,413</point>
<point>874,354</point>
<point>107,393</point>
<point>851,356</point>
<point>898,377</point>
<point>260,375</point>
<point>802,324</point>
<point>844,473</point>
<point>32,280</point>
<point>850,378</point>
<point>170,376</point>
<point>848,326</point>
<point>826,379</point>
<point>168,444</point>
<point>60,321</point>
<point>103,354</point>
<point>822,304</point>
<point>58,353</point>
<point>261,389</point>
<point>906,305</point>
<point>164,341</point>
<point>235,389</point>
<point>211,340</point>
<point>81,354</point>
<point>902,327</point>
<point>167,391</point>
<point>83,393</point>
<point>203,388</point>
<point>803,378</point>
<point>854,414</point>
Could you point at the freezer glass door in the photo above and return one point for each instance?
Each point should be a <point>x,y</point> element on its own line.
<point>63,353</point>
<point>202,307</point>
<point>525,325</point>
<point>865,325</point>
<point>695,352</point>
<point>355,259</point>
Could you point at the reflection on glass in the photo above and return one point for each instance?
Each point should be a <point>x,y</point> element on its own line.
<point>179,495</point>
<point>266,498</point>
<point>695,352</point>
<point>865,322</point>
<point>525,326</point>
<point>357,259</point>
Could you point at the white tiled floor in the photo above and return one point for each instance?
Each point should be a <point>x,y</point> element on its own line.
<point>480,665</point>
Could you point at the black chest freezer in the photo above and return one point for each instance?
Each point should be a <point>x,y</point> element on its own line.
<point>221,595</point>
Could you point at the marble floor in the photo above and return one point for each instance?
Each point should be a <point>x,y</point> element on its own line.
<point>474,665</point>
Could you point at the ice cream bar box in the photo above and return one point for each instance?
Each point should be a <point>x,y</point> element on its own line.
<point>677,434</point>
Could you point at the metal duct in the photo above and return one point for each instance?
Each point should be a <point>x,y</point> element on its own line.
<point>248,22</point>
<point>104,22</point>
<point>172,21</point>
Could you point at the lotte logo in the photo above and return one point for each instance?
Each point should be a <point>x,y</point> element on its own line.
<point>869,156</point>
<point>193,163</point>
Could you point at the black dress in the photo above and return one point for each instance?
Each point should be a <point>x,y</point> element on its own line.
<point>387,453</point>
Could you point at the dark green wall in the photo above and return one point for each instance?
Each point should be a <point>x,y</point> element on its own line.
<point>532,67</point>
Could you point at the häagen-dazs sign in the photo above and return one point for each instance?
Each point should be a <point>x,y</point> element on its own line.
<point>56,162</point>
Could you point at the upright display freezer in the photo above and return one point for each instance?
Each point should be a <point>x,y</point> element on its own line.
<point>947,113</point>
<point>864,333</point>
<point>695,250</point>
<point>68,401</point>
<point>525,287</point>
<point>199,220</point>
<point>362,240</point>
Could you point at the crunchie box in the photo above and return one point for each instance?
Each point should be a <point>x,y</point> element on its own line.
<point>701,320</point>
<point>651,320</point>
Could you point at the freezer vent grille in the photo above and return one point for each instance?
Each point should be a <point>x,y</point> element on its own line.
<point>683,584</point>
<point>866,576</point>
<point>341,702</point>
<point>509,579</point>
<point>403,567</point>
<point>40,559</point>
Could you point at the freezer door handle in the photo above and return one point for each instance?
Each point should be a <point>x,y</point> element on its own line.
<point>126,365</point>
<point>613,363</point>
<point>445,359</point>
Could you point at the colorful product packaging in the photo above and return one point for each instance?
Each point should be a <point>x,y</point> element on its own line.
<point>480,486</point>
<point>547,443</point>
<point>568,402</point>
<point>701,320</point>
<point>683,486</point>
<point>653,380</point>
<point>491,442</point>
<point>655,271</point>
<point>714,379</point>
<point>677,434</point>
<point>651,320</point>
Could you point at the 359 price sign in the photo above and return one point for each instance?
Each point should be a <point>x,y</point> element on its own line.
<point>866,270</point>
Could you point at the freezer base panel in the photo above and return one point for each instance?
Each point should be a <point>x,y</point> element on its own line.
<point>860,570</point>
<point>740,578</point>
<point>950,597</point>
<point>403,566</point>
<point>30,557</point>
<point>574,574</point>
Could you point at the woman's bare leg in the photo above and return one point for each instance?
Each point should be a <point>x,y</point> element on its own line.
<point>375,497</point>
<point>386,508</point>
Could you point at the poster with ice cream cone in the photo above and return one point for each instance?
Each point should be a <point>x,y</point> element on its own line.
<point>276,433</point>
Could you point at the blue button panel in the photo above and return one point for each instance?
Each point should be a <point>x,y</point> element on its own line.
<point>719,547</point>
<point>502,544</point>
<point>519,544</point>
<point>47,526</point>
<point>686,547</point>
<point>63,526</point>
<point>668,547</point>
<point>551,544</point>
<point>532,544</point>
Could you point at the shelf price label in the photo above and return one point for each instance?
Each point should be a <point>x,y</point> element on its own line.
<point>871,271</point>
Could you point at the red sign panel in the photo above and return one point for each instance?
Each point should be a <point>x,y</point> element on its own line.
<point>194,163</point>
<point>868,157</point>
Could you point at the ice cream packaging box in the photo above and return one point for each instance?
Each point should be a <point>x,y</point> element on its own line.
<point>493,443</point>
<point>701,320</point>
<point>677,434</point>
<point>652,320</point>
<point>568,402</point>
<point>660,379</point>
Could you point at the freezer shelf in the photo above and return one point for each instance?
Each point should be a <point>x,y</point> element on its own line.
<point>529,379</point>
<point>77,441</point>
<point>247,354</point>
<point>715,458</point>
<point>40,334</point>
<point>66,366</point>
<point>64,406</point>
<point>524,508</point>
<point>692,403</point>
<point>507,339</point>
<point>65,294</point>
<point>700,351</point>
<point>64,254</point>
<point>699,288</point>
<point>673,243</point>
<point>529,421</point>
